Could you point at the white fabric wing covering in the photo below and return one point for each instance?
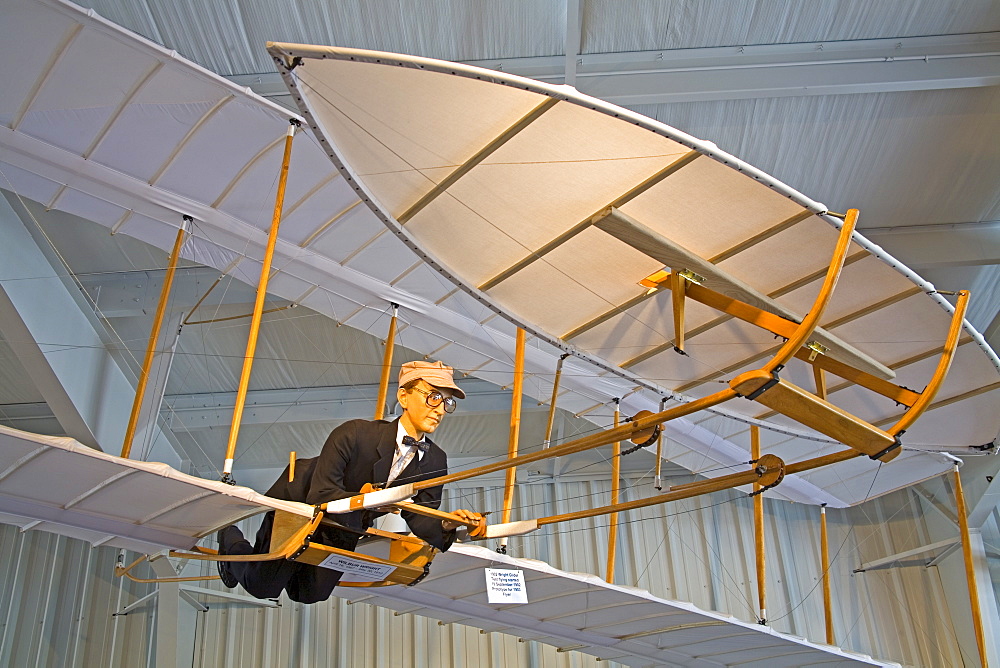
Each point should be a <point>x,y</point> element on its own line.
<point>505,185</point>
<point>103,124</point>
<point>56,484</point>
<point>587,614</point>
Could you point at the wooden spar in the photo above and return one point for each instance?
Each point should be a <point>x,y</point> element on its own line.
<point>806,408</point>
<point>480,155</point>
<point>809,323</point>
<point>821,461</point>
<point>758,529</point>
<point>383,384</point>
<point>552,403</point>
<point>820,376</point>
<point>769,471</point>
<point>783,327</point>
<point>825,557</point>
<point>970,572</point>
<point>735,298</point>
<point>615,489</point>
<point>265,273</point>
<point>585,443</point>
<point>426,511</point>
<point>515,428</point>
<point>951,343</point>
<point>154,333</point>
<point>678,286</point>
<point>587,222</point>
<point>657,480</point>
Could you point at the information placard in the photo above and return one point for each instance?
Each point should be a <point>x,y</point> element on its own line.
<point>505,585</point>
<point>357,567</point>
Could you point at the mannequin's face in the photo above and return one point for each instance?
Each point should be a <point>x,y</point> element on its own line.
<point>418,417</point>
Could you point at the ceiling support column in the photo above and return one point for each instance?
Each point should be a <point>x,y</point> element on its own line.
<point>45,320</point>
<point>174,630</point>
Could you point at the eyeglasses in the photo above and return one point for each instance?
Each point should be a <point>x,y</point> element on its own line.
<point>434,399</point>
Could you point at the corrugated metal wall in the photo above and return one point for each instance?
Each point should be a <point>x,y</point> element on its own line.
<point>58,595</point>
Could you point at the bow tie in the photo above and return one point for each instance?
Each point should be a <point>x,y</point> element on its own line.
<point>423,446</point>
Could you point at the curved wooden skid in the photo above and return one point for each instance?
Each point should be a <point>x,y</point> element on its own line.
<point>408,557</point>
<point>293,540</point>
<point>126,572</point>
<point>947,356</point>
<point>795,341</point>
<point>811,321</point>
<point>382,583</point>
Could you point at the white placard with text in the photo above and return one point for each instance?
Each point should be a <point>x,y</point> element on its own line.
<point>357,567</point>
<point>505,585</point>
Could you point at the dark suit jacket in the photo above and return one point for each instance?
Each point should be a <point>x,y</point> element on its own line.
<point>358,452</point>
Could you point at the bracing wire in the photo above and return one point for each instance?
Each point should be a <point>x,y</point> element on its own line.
<point>322,372</point>
<point>340,103</point>
<point>641,519</point>
<point>327,95</point>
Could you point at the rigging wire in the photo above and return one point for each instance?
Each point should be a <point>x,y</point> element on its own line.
<point>350,349</point>
<point>855,551</point>
<point>327,97</point>
<point>924,631</point>
<point>781,617</point>
<point>873,481</point>
<point>342,102</point>
<point>819,580</point>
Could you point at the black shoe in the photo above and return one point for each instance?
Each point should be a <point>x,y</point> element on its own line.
<point>227,578</point>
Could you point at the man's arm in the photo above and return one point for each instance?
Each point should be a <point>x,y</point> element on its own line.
<point>328,480</point>
<point>431,529</point>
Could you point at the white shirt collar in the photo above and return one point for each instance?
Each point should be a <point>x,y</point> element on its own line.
<point>400,449</point>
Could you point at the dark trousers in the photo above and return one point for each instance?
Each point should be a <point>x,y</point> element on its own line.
<point>266,579</point>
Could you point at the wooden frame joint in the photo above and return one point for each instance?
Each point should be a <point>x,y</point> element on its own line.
<point>892,448</point>
<point>765,387</point>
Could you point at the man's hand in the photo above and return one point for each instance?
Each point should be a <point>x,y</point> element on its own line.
<point>478,530</point>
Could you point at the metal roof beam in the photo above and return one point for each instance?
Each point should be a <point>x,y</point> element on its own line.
<point>135,293</point>
<point>942,245</point>
<point>189,412</point>
<point>574,29</point>
<point>906,556</point>
<point>775,70</point>
<point>58,340</point>
<point>750,71</point>
<point>987,503</point>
